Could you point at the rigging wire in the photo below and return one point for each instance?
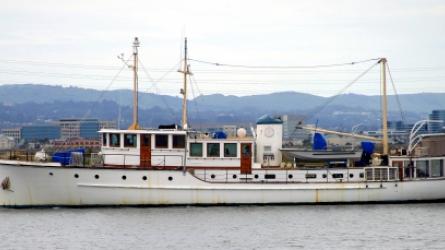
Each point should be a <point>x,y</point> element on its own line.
<point>195,101</point>
<point>332,98</point>
<point>402,113</point>
<point>154,84</point>
<point>283,67</point>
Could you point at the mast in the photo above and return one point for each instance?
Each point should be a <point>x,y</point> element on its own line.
<point>185,71</point>
<point>135,124</point>
<point>384,107</point>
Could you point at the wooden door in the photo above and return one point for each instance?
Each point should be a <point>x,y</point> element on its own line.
<point>246,158</point>
<point>145,151</point>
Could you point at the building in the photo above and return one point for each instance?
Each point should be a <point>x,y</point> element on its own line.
<point>40,132</point>
<point>83,128</point>
<point>7,142</point>
<point>14,133</point>
<point>436,127</point>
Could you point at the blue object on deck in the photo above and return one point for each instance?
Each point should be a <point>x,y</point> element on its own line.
<point>64,157</point>
<point>219,135</point>
<point>319,142</point>
<point>368,147</point>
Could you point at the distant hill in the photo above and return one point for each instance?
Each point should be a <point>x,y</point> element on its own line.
<point>29,103</point>
<point>282,101</point>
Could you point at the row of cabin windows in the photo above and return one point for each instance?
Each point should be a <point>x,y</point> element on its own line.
<point>130,140</point>
<point>213,149</point>
<point>424,169</point>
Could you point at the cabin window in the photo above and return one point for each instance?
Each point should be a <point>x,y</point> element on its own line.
<point>212,149</point>
<point>161,141</point>
<point>115,140</point>
<point>129,140</point>
<point>104,140</point>
<point>269,176</point>
<point>422,169</point>
<point>436,168</point>
<point>196,149</point>
<point>178,141</point>
<point>230,150</point>
<point>311,176</point>
<point>337,175</point>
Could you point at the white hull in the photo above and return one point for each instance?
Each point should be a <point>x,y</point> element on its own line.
<point>57,186</point>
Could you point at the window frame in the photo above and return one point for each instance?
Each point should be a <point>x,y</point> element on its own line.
<point>209,151</point>
<point>156,141</point>
<point>236,150</point>
<point>118,145</point>
<point>191,152</point>
<point>134,144</point>
<point>183,141</point>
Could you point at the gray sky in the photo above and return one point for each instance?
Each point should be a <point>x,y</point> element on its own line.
<point>76,43</point>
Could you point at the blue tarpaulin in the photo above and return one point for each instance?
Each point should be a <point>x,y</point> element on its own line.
<point>319,142</point>
<point>64,157</point>
<point>219,135</point>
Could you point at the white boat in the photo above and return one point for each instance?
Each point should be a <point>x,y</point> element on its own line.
<point>175,166</point>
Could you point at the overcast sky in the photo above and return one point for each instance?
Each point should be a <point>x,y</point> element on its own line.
<point>75,43</point>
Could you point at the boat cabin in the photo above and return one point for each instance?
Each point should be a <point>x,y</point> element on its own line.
<point>175,149</point>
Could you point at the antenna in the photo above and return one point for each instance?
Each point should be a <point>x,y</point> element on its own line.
<point>185,71</point>
<point>136,44</point>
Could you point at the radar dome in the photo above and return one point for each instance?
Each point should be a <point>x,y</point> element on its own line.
<point>241,132</point>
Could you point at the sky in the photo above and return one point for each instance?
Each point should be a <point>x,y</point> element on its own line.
<point>76,43</point>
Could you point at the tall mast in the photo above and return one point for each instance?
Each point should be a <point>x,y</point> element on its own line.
<point>135,124</point>
<point>185,71</point>
<point>384,107</point>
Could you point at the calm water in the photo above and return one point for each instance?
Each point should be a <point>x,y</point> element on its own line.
<point>401,226</point>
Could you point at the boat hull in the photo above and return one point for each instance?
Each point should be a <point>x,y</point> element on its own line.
<point>67,186</point>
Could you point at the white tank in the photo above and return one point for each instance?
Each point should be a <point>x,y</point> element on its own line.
<point>241,132</point>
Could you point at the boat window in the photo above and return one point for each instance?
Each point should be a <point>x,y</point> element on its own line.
<point>311,176</point>
<point>212,149</point>
<point>104,139</point>
<point>436,168</point>
<point>115,140</point>
<point>337,175</point>
<point>269,176</point>
<point>196,149</point>
<point>230,150</point>
<point>178,141</point>
<point>130,140</point>
<point>422,168</point>
<point>161,141</point>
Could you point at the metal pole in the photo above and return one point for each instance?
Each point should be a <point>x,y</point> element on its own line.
<point>184,90</point>
<point>384,107</point>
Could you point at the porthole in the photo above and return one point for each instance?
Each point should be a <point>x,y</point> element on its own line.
<point>324,175</point>
<point>51,173</point>
<point>362,175</point>
<point>76,176</point>
<point>256,176</point>
<point>234,176</point>
<point>212,176</point>
<point>351,175</point>
<point>96,176</point>
<point>170,178</point>
<point>124,177</point>
<point>144,178</point>
<point>291,176</point>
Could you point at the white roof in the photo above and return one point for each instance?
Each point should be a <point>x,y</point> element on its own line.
<point>144,131</point>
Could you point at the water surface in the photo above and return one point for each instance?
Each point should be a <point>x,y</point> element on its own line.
<point>398,226</point>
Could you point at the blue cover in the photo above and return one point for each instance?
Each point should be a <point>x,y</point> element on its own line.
<point>319,142</point>
<point>219,135</point>
<point>368,147</point>
<point>64,157</point>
